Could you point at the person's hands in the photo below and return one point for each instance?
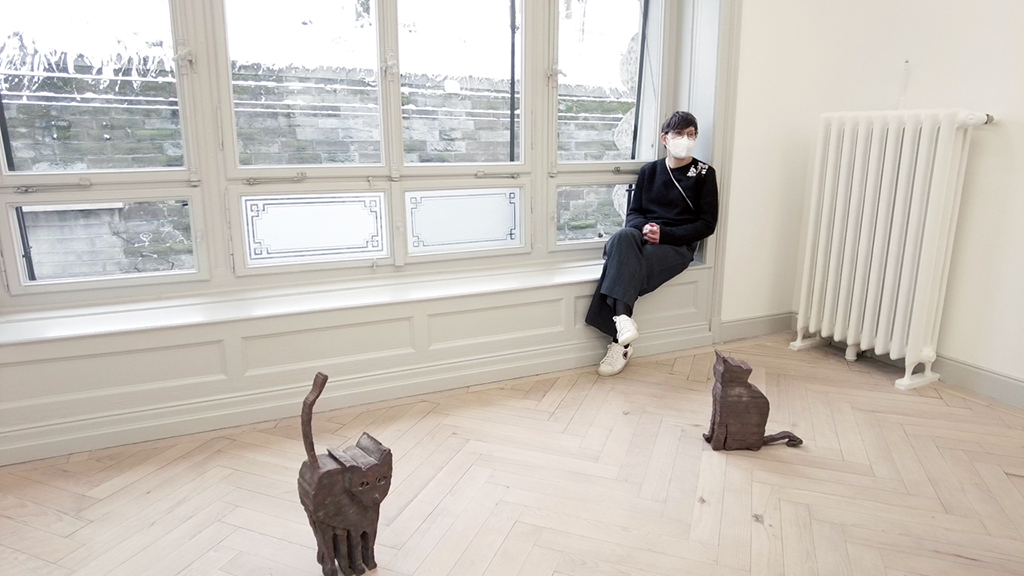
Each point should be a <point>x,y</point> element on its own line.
<point>652,233</point>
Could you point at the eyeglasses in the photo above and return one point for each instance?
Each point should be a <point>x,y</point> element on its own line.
<point>688,133</point>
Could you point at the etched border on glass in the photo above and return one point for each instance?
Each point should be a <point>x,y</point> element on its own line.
<point>297,229</point>
<point>453,220</point>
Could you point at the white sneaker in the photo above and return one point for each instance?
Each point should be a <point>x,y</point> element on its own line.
<point>626,327</point>
<point>615,360</point>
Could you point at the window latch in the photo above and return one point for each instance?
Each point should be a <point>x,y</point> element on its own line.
<point>186,56</point>
<point>82,182</point>
<point>482,174</point>
<point>553,75</point>
<point>390,66</point>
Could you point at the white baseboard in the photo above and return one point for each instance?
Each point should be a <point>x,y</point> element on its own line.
<point>1000,387</point>
<point>755,326</point>
<point>993,385</point>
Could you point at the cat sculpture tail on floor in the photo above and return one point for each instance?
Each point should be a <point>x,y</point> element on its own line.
<point>739,411</point>
<point>341,492</point>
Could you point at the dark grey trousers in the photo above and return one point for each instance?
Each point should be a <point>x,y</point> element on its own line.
<point>633,268</point>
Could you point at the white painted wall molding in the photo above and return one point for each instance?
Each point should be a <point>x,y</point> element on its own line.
<point>731,19</point>
<point>72,394</point>
<point>755,326</point>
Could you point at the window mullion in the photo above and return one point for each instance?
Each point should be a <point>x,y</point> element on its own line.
<point>540,52</point>
<point>548,86</point>
<point>219,75</point>
<point>390,86</point>
<point>640,73</point>
<point>185,60</point>
<point>391,124</point>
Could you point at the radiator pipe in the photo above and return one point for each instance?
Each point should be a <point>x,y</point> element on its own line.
<point>975,118</point>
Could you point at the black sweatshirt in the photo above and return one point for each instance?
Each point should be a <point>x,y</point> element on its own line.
<point>656,199</point>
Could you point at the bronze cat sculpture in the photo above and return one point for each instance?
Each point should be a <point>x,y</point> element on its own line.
<point>739,411</point>
<point>341,492</point>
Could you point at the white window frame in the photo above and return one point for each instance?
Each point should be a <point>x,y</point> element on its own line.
<point>15,273</point>
<point>228,137</point>
<point>580,179</point>
<point>529,71</point>
<point>37,188</point>
<point>612,171</point>
<point>390,105</point>
<point>237,225</point>
<point>31,182</point>
<point>453,184</point>
<point>205,100</point>
<point>662,105</point>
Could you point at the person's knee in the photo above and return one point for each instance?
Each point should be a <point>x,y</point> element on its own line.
<point>627,235</point>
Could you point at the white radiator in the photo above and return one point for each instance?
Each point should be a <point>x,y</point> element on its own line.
<point>884,205</point>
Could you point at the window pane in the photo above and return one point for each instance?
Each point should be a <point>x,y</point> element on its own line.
<point>590,212</point>
<point>600,58</point>
<point>88,86</point>
<point>315,228</point>
<point>112,239</point>
<point>461,63</point>
<point>454,220</point>
<point>304,80</point>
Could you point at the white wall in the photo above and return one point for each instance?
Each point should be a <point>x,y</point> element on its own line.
<point>800,58</point>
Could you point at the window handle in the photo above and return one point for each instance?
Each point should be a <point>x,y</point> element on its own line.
<point>188,56</point>
<point>482,174</point>
<point>390,65</point>
<point>553,75</point>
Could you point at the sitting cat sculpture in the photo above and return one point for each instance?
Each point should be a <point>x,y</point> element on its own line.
<point>739,411</point>
<point>341,492</point>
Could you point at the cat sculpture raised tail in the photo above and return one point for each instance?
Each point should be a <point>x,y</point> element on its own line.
<point>739,411</point>
<point>341,492</point>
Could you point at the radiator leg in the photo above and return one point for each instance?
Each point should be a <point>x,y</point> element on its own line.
<point>911,380</point>
<point>801,344</point>
<point>851,352</point>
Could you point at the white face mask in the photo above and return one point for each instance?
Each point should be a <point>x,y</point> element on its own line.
<point>680,147</point>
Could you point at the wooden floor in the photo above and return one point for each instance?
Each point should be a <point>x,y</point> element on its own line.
<point>567,474</point>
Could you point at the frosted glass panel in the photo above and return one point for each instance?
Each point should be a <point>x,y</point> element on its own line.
<point>590,212</point>
<point>451,220</point>
<point>299,229</point>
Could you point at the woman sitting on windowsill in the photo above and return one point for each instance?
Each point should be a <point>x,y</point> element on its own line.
<point>674,206</point>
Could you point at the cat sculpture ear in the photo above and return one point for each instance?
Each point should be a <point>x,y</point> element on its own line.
<point>373,448</point>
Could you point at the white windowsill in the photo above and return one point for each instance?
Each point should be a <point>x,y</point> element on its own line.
<point>27,327</point>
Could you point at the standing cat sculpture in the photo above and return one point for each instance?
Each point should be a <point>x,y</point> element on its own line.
<point>341,492</point>
<point>739,411</point>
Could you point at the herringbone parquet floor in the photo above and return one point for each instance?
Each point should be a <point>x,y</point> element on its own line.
<point>567,474</point>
